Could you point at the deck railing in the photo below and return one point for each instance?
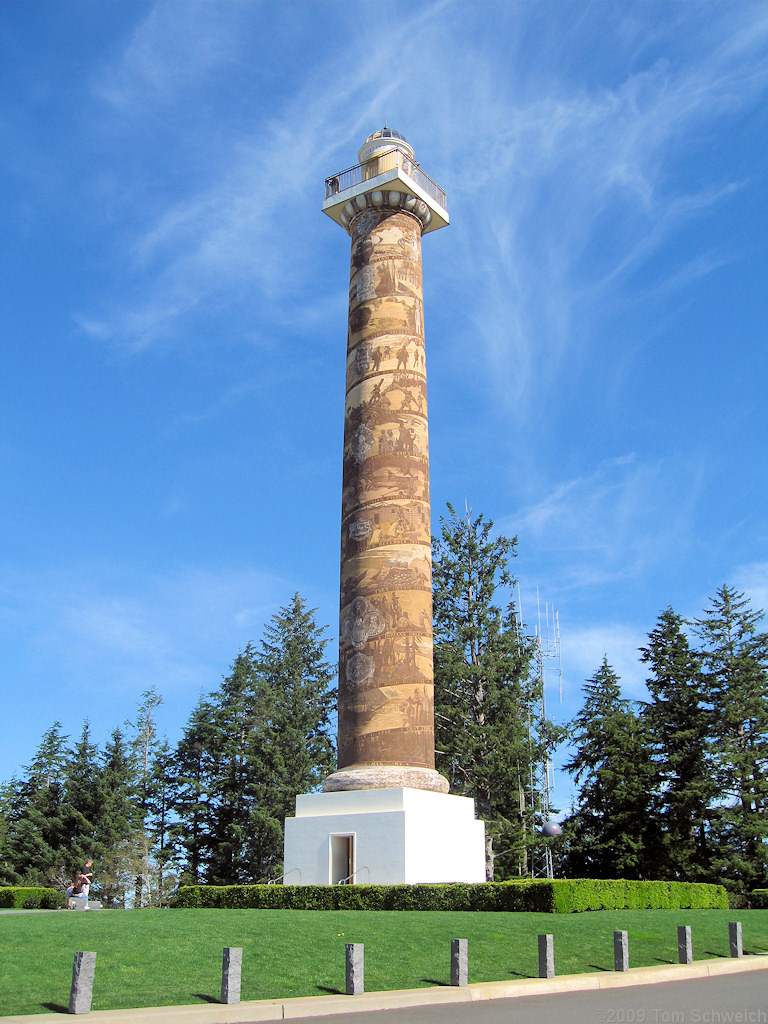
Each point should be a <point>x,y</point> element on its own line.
<point>338,183</point>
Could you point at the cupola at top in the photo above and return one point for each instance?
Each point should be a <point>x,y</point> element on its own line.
<point>386,140</point>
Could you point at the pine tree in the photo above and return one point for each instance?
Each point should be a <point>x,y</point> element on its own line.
<point>118,822</point>
<point>487,731</point>
<point>292,740</point>
<point>615,831</point>
<point>82,804</point>
<point>194,786</point>
<point>679,723</point>
<point>144,747</point>
<point>735,657</point>
<point>160,811</point>
<point>9,815</point>
<point>36,820</point>
<point>250,748</point>
<point>238,705</point>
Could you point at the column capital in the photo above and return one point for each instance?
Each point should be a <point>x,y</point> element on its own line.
<point>383,200</point>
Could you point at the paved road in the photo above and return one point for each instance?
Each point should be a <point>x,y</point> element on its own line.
<point>732,999</point>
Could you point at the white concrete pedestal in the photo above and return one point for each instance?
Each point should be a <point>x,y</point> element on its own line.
<point>383,837</point>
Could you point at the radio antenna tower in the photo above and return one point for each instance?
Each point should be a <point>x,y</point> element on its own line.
<point>548,658</point>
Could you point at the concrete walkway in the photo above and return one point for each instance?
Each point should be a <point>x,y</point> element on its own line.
<point>326,1006</point>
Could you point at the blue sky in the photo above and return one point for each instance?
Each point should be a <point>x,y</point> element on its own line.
<point>173,322</point>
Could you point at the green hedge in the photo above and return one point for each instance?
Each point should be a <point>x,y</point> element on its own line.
<point>558,896</point>
<point>18,897</point>
<point>758,899</point>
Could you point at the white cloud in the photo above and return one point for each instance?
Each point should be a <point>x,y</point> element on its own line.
<point>753,581</point>
<point>612,523</point>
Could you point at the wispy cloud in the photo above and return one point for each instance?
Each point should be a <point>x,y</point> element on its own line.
<point>120,627</point>
<point>612,523</point>
<point>560,193</point>
<point>753,581</point>
<point>565,195</point>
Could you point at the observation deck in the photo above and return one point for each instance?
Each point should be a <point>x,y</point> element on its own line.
<point>393,171</point>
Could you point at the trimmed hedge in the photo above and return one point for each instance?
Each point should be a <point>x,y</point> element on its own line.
<point>22,897</point>
<point>556,896</point>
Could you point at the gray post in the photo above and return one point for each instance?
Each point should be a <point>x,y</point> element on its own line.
<point>684,945</point>
<point>81,993</point>
<point>734,938</point>
<point>355,968</point>
<point>231,970</point>
<point>620,951</point>
<point>546,957</point>
<point>459,962</point>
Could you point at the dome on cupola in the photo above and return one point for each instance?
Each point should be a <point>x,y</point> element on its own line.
<point>383,141</point>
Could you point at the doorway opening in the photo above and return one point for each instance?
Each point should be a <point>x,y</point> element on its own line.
<point>342,860</point>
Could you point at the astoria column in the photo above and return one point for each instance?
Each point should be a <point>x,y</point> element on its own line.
<point>386,705</point>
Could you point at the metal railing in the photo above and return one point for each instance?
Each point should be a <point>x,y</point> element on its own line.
<point>275,881</point>
<point>338,183</point>
<point>348,879</point>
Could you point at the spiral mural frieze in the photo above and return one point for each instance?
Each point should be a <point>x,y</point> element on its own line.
<point>386,709</point>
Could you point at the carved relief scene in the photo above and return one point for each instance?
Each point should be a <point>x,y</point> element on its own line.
<point>396,522</point>
<point>386,707</point>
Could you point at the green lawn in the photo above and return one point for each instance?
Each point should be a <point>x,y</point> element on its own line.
<point>162,957</point>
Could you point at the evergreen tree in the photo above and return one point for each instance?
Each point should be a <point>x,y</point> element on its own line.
<point>143,748</point>
<point>679,722</point>
<point>9,815</point>
<point>194,787</point>
<point>291,744</point>
<point>160,809</point>
<point>615,831</point>
<point>249,748</point>
<point>118,822</point>
<point>735,657</point>
<point>488,733</point>
<point>36,825</point>
<point>238,706</point>
<point>82,804</point>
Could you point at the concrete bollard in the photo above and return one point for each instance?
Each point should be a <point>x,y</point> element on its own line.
<point>355,968</point>
<point>684,945</point>
<point>459,962</point>
<point>620,951</point>
<point>231,972</point>
<point>734,938</point>
<point>81,994</point>
<point>546,956</point>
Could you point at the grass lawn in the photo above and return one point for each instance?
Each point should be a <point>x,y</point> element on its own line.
<point>166,957</point>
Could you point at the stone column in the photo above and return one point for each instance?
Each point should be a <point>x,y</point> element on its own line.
<point>684,944</point>
<point>546,956</point>
<point>355,968</point>
<point>459,962</point>
<point>386,706</point>
<point>231,974</point>
<point>734,938</point>
<point>81,992</point>
<point>621,951</point>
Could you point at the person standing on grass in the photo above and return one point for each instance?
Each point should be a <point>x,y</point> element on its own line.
<point>86,876</point>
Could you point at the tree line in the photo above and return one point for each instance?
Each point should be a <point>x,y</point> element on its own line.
<point>673,787</point>
<point>676,787</point>
<point>209,809</point>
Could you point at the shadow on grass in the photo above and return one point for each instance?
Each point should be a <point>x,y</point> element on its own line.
<point>599,967</point>
<point>709,952</point>
<point>55,1007</point>
<point>434,981</point>
<point>332,991</point>
<point>204,998</point>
